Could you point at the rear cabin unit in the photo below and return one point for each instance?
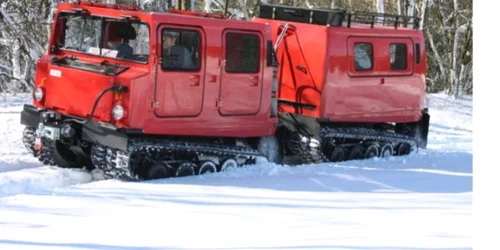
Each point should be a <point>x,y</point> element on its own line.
<point>347,71</point>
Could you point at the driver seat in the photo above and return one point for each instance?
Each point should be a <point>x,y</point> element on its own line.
<point>126,32</point>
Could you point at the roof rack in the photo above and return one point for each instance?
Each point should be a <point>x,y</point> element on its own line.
<point>109,6</point>
<point>385,19</point>
<point>302,15</point>
<point>194,13</point>
<point>333,17</point>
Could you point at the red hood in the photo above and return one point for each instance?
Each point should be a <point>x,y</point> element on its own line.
<point>72,88</point>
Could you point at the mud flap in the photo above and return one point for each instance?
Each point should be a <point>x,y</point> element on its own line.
<point>300,123</point>
<point>419,131</point>
<point>423,129</point>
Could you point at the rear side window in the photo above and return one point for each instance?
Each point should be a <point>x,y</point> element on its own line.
<point>417,53</point>
<point>398,52</point>
<point>242,52</point>
<point>363,56</point>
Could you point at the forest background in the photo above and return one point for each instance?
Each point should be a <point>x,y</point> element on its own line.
<point>446,24</point>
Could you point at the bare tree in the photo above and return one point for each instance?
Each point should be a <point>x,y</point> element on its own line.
<point>447,25</point>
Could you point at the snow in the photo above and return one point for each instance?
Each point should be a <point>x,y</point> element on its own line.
<point>421,201</point>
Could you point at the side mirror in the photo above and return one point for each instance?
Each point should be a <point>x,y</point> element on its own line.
<point>175,59</point>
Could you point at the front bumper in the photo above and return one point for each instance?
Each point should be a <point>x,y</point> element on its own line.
<point>30,116</point>
<point>93,132</point>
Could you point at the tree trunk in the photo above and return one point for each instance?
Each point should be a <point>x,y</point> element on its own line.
<point>380,8</point>
<point>207,8</point>
<point>423,10</point>
<point>454,79</point>
<point>50,18</point>
<point>186,4</point>
<point>411,10</point>
<point>437,55</point>
<point>16,64</point>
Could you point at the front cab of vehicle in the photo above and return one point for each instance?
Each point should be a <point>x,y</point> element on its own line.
<point>82,89</point>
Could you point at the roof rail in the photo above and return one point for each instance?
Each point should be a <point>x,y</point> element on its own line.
<point>109,6</point>
<point>194,13</point>
<point>381,18</point>
<point>333,17</point>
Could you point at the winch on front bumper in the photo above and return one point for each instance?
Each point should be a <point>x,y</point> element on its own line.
<point>52,133</point>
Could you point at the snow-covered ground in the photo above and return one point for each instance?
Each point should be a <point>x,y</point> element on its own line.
<point>423,201</point>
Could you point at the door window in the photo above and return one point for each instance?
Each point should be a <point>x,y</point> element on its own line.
<point>242,53</point>
<point>180,50</point>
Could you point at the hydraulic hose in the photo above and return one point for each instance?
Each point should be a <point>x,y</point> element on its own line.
<point>114,88</point>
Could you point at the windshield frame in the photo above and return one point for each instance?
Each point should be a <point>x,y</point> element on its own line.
<point>61,36</point>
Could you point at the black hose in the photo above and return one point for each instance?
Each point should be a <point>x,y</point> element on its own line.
<point>117,88</point>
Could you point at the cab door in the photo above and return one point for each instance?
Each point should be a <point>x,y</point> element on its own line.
<point>179,88</point>
<point>241,74</point>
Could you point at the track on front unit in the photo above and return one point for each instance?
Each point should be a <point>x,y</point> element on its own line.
<point>54,153</point>
<point>44,156</point>
<point>170,157</point>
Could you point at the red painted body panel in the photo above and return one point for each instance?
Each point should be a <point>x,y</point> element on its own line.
<point>183,107</point>
<point>317,67</point>
<point>69,93</point>
<point>221,94</point>
<point>241,93</point>
<point>302,68</point>
<point>179,94</point>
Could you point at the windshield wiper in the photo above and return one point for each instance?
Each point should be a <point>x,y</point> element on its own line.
<point>114,69</point>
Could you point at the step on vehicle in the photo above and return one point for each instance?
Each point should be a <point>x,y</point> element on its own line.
<point>147,95</point>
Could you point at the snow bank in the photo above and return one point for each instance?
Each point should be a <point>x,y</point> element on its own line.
<point>423,201</point>
<point>20,172</point>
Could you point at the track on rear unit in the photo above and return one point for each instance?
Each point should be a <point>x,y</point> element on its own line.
<point>162,158</point>
<point>350,143</point>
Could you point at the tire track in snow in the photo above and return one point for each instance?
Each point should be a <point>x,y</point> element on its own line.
<point>42,179</point>
<point>20,172</point>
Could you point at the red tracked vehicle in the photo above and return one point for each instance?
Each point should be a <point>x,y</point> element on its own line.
<point>144,95</point>
<point>351,85</point>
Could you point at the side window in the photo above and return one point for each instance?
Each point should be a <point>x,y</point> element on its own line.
<point>242,53</point>
<point>398,52</point>
<point>417,53</point>
<point>81,33</point>
<point>363,56</point>
<point>181,50</point>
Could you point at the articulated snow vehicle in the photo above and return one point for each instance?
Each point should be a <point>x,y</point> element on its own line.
<point>147,95</point>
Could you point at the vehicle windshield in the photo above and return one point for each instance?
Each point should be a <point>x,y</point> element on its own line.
<point>106,37</point>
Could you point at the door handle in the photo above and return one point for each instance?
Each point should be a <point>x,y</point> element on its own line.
<point>195,80</point>
<point>254,80</point>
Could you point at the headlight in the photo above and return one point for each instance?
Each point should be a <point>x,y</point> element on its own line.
<point>118,112</point>
<point>38,94</point>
